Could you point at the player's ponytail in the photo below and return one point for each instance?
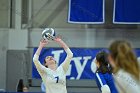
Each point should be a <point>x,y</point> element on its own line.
<point>124,57</point>
<point>102,58</point>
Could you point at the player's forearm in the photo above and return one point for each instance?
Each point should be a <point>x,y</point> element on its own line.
<point>67,61</point>
<point>63,44</point>
<point>69,53</point>
<point>37,53</point>
<point>38,50</point>
<point>66,48</point>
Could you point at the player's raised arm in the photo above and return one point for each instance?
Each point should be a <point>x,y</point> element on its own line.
<point>67,60</point>
<point>39,66</point>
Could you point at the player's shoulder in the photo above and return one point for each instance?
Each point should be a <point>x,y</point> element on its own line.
<point>103,75</point>
<point>60,67</point>
<point>99,75</point>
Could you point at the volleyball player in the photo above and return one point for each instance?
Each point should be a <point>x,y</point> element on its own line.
<point>103,74</point>
<point>53,77</point>
<point>125,67</point>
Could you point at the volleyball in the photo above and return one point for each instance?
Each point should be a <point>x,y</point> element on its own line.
<point>48,33</point>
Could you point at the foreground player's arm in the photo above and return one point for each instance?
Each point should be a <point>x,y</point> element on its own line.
<point>67,61</point>
<point>40,68</point>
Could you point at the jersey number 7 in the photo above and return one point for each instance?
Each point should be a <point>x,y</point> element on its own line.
<point>57,79</point>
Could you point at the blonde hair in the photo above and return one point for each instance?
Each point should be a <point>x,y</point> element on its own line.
<point>124,57</point>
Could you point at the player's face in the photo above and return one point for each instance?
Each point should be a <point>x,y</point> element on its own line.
<point>49,61</point>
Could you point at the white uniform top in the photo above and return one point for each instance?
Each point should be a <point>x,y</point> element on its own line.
<point>126,83</point>
<point>55,81</point>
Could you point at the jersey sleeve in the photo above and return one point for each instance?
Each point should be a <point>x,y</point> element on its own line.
<point>104,87</point>
<point>40,68</point>
<point>67,60</point>
<point>43,87</point>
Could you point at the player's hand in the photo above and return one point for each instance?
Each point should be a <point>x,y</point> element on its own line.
<point>43,42</point>
<point>57,39</point>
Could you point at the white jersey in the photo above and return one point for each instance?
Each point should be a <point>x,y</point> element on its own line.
<point>125,83</point>
<point>55,81</point>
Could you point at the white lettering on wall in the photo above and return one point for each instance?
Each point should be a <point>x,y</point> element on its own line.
<point>57,54</point>
<point>80,63</point>
<point>80,67</point>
